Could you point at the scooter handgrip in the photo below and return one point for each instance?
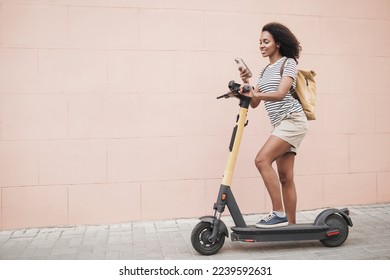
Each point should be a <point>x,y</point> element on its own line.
<point>246,88</point>
<point>226,95</point>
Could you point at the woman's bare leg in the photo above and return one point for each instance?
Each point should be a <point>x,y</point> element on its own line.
<point>274,148</point>
<point>285,165</point>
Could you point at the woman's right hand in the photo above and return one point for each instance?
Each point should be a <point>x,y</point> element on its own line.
<point>244,74</point>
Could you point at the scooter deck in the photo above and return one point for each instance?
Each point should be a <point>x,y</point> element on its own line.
<point>285,233</point>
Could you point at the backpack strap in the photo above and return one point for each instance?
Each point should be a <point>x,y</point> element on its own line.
<point>294,94</point>
<point>282,67</point>
<point>261,76</point>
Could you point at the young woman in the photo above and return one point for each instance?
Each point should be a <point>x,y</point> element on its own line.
<point>275,87</point>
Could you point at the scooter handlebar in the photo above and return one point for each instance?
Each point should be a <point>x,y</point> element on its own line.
<point>235,90</point>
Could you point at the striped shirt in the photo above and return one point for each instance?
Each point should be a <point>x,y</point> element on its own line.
<point>269,82</point>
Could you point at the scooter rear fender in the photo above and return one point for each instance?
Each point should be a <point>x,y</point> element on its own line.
<point>320,220</point>
<point>222,227</point>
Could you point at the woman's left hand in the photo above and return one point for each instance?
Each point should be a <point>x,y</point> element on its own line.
<point>249,93</point>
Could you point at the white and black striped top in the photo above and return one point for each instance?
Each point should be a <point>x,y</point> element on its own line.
<point>269,81</point>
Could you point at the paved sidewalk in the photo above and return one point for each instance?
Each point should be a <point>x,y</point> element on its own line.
<point>369,238</point>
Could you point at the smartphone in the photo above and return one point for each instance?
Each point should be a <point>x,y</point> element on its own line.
<point>240,62</point>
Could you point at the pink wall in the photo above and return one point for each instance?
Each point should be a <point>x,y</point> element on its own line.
<point>108,109</point>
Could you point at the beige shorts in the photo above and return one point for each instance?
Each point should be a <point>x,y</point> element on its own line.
<point>292,129</point>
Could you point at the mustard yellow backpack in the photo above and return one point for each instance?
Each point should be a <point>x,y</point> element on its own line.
<point>305,91</point>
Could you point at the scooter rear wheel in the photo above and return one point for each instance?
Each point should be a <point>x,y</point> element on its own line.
<point>200,242</point>
<point>336,222</point>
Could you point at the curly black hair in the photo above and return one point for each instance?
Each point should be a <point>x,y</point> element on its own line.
<point>289,44</point>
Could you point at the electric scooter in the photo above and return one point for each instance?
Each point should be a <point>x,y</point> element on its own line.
<point>208,236</point>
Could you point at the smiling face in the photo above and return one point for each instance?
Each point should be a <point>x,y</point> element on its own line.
<point>268,46</point>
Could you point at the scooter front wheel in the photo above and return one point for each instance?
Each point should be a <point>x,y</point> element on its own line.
<point>200,239</point>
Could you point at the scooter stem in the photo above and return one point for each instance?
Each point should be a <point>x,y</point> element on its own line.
<point>235,141</point>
